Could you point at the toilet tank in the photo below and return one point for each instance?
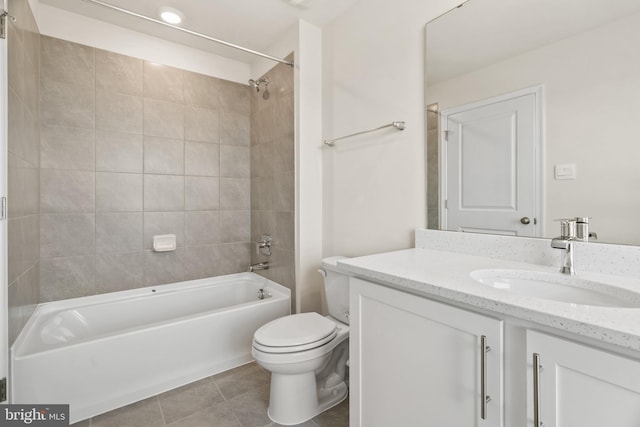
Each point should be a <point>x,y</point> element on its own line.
<point>336,288</point>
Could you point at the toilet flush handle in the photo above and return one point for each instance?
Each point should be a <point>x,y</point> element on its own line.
<point>321,271</point>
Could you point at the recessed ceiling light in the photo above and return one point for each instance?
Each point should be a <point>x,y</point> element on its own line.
<point>171,16</point>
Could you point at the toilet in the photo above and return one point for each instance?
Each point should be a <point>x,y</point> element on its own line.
<point>307,354</point>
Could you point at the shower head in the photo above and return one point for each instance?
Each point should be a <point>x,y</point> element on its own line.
<point>256,85</point>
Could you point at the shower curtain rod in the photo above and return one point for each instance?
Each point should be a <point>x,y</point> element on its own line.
<point>193,33</point>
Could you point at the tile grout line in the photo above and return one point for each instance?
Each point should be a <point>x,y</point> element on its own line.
<point>164,421</point>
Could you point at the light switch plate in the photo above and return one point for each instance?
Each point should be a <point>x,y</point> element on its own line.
<point>565,171</point>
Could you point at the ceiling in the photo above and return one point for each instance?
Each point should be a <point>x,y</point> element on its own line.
<point>483,32</point>
<point>254,24</point>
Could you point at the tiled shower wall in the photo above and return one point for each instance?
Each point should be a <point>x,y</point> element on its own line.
<point>23,41</point>
<point>433,142</point>
<point>132,149</point>
<point>273,174</point>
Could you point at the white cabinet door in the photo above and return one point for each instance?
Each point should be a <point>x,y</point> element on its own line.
<point>416,362</point>
<point>582,386</point>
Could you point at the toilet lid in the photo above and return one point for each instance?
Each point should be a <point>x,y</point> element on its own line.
<point>296,330</point>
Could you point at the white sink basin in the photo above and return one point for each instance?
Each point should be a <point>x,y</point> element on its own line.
<point>557,287</point>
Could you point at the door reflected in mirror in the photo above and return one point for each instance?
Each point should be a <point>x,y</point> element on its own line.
<point>583,54</point>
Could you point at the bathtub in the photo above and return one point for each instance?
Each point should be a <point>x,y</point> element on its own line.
<point>102,352</point>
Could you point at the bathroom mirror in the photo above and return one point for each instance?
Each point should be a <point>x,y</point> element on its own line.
<point>584,57</point>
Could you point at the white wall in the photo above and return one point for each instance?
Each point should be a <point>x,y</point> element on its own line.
<point>76,28</point>
<point>591,92</point>
<point>374,185</point>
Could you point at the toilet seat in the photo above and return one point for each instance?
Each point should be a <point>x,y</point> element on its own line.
<point>298,332</point>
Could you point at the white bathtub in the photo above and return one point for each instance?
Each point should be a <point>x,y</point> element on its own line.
<point>101,352</point>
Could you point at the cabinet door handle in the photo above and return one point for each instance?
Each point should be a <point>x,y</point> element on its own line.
<point>484,399</point>
<point>536,390</point>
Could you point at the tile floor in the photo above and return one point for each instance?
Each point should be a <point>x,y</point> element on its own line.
<point>235,398</point>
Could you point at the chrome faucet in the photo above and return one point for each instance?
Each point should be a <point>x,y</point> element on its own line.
<point>264,265</point>
<point>565,242</point>
<point>582,230</point>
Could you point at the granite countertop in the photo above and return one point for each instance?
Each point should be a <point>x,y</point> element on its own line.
<point>446,276</point>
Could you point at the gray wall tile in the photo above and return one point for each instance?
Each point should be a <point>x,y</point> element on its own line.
<point>23,238</point>
<point>118,192</point>
<point>235,226</point>
<point>67,148</point>
<point>66,191</point>
<point>163,155</point>
<point>165,119</point>
<point>201,193</point>
<point>234,257</point>
<point>67,62</point>
<point>67,104</point>
<point>285,123</point>
<point>235,161</point>
<point>163,82</point>
<point>235,128</point>
<point>65,235</point>
<point>31,138</point>
<point>201,158</point>
<point>165,182</point>
<point>15,61</point>
<point>118,232</point>
<point>23,175</point>
<point>262,222</point>
<point>118,73</point>
<point>262,193</point>
<point>164,193</point>
<point>201,124</point>
<point>264,124</point>
<point>201,261</point>
<point>163,267</point>
<point>31,84</point>
<point>284,186</point>
<point>201,90</point>
<point>158,223</point>
<point>23,187</point>
<point>119,112</point>
<point>118,152</point>
<point>67,277</point>
<point>284,154</point>
<point>119,272</point>
<point>202,228</point>
<point>16,124</point>
<point>272,175</point>
<point>235,193</point>
<point>236,96</point>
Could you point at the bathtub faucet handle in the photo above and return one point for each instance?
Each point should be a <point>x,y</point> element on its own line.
<point>264,245</point>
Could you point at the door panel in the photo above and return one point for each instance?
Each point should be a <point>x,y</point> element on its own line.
<point>491,164</point>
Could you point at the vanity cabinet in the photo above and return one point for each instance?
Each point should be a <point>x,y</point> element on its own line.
<point>417,362</point>
<point>578,385</point>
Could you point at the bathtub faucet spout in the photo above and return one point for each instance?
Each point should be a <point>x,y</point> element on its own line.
<point>259,266</point>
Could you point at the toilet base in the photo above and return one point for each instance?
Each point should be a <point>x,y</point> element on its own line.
<point>288,408</point>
